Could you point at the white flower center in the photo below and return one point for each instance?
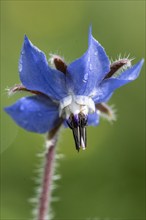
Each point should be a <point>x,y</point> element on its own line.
<point>75,105</point>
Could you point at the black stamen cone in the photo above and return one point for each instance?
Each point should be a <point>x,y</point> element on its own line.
<point>82,126</point>
<point>78,125</point>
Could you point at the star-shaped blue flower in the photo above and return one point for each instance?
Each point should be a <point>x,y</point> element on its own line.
<point>71,93</point>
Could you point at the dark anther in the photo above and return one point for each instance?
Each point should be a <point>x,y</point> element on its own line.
<point>114,67</point>
<point>78,125</point>
<point>82,126</point>
<point>60,64</point>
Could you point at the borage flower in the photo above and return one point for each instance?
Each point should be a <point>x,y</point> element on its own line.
<point>73,94</point>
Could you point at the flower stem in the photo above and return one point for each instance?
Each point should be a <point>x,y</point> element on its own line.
<point>46,186</point>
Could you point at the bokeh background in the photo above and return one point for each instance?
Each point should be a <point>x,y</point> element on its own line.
<point>107,180</point>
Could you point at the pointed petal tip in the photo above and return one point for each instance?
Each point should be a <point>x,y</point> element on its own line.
<point>90,29</point>
<point>26,41</point>
<point>138,66</point>
<point>26,38</point>
<point>141,61</point>
<point>6,110</point>
<point>9,110</point>
<point>90,34</point>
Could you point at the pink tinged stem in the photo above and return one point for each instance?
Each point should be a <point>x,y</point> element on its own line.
<point>46,187</point>
<point>46,184</point>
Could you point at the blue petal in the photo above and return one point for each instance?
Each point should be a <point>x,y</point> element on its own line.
<point>107,87</point>
<point>86,72</point>
<point>35,113</point>
<point>93,119</point>
<point>35,73</point>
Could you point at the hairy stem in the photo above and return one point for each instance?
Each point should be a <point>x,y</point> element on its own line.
<point>46,186</point>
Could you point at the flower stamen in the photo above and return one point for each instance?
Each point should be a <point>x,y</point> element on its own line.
<point>78,125</point>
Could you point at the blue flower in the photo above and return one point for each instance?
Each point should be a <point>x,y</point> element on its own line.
<point>74,94</point>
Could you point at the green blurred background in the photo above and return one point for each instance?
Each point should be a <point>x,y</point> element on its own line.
<point>107,180</point>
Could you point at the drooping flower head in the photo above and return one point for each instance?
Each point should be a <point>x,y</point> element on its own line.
<point>73,94</point>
